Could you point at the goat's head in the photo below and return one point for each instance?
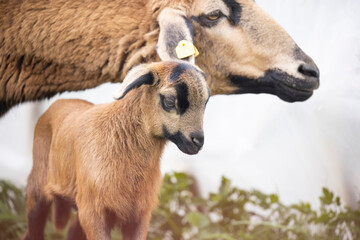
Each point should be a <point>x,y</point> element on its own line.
<point>242,49</point>
<point>176,98</point>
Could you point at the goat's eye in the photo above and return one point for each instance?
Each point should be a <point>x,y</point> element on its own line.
<point>214,15</point>
<point>167,102</point>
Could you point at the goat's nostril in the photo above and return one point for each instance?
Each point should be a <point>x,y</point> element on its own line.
<point>309,70</point>
<point>198,140</point>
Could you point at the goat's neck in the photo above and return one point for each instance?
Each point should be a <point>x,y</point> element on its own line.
<point>129,121</point>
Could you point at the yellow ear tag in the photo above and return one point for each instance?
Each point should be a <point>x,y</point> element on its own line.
<point>186,49</point>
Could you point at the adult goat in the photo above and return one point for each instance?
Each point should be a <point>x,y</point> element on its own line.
<point>48,47</point>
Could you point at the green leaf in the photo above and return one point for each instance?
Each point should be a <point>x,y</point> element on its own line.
<point>327,197</point>
<point>197,219</point>
<point>225,186</point>
<point>304,208</point>
<point>324,218</point>
<point>338,202</point>
<point>215,197</point>
<point>274,198</point>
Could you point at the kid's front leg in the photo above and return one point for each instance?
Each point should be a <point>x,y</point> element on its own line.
<point>136,229</point>
<point>94,224</point>
<point>75,231</point>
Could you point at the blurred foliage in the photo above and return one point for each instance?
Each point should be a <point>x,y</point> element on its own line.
<point>229,214</point>
<point>12,211</point>
<point>232,214</point>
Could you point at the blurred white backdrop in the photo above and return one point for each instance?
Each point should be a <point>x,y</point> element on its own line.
<point>259,141</point>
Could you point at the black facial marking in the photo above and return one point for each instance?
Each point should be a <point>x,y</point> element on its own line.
<point>189,27</point>
<point>182,89</point>
<point>180,140</point>
<point>178,70</point>
<point>234,17</point>
<point>182,97</point>
<point>176,138</point>
<point>173,37</point>
<point>196,19</point>
<point>278,83</point>
<point>235,10</point>
<point>147,79</point>
<point>252,85</point>
<point>205,22</point>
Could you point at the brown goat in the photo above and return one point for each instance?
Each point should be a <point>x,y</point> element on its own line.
<point>52,46</point>
<point>105,159</point>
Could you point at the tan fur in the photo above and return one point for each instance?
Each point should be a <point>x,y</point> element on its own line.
<point>106,158</point>
<point>48,47</point>
<point>257,45</point>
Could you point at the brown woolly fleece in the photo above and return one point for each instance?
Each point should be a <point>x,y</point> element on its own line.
<point>52,46</point>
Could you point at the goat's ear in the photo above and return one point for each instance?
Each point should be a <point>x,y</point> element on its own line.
<point>174,27</point>
<point>136,77</point>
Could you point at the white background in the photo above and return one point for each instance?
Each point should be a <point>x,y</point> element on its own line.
<point>259,141</point>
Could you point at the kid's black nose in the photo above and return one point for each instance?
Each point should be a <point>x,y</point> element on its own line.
<point>198,139</point>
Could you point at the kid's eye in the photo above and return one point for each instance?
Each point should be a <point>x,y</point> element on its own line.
<point>167,102</point>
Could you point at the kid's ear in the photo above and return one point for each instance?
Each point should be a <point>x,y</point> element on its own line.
<point>138,76</point>
<point>175,27</point>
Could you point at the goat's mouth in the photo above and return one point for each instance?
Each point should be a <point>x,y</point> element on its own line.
<point>181,142</point>
<point>276,82</point>
<point>188,147</point>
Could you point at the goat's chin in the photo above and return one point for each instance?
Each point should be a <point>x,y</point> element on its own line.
<point>181,142</point>
<point>190,150</point>
<point>187,147</point>
<point>276,82</point>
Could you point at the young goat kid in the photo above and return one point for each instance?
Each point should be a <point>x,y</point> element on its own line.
<point>104,159</point>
